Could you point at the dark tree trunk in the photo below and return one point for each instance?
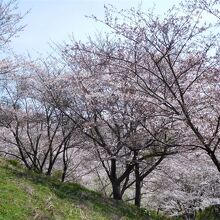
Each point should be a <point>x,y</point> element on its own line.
<point>137,186</point>
<point>64,173</point>
<point>116,191</point>
<point>63,176</point>
<point>138,180</point>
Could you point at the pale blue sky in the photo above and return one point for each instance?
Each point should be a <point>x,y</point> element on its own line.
<point>56,20</point>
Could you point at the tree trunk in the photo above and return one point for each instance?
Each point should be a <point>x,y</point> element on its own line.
<point>137,186</point>
<point>116,190</point>
<point>64,173</point>
<point>49,170</point>
<point>138,180</point>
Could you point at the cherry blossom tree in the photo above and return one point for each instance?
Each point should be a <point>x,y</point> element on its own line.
<point>129,100</point>
<point>36,132</point>
<point>183,184</point>
<point>10,20</point>
<point>115,117</point>
<point>10,26</point>
<point>174,61</point>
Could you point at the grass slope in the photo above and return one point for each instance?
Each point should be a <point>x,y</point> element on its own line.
<point>28,196</point>
<point>25,195</point>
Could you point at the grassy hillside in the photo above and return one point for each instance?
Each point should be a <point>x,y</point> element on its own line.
<point>25,195</point>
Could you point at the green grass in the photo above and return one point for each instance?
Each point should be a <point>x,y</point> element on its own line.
<point>27,195</point>
<point>210,213</point>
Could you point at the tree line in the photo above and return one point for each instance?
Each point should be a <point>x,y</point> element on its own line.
<point>126,106</point>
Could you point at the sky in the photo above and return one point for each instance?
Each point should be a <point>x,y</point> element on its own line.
<point>50,21</point>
